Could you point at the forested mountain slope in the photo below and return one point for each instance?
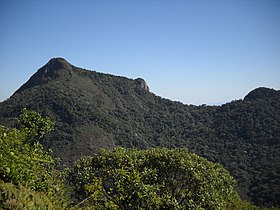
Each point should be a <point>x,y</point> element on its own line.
<point>94,110</point>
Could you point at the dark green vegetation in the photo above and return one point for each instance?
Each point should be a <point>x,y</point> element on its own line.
<point>118,179</point>
<point>94,110</point>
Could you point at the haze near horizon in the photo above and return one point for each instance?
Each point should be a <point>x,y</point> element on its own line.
<point>195,52</point>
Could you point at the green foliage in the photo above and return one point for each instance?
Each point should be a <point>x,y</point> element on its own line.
<point>34,125</point>
<point>152,179</point>
<point>13,197</point>
<point>121,179</point>
<point>26,169</point>
<point>94,110</point>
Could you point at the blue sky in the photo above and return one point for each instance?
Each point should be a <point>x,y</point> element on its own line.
<point>196,52</point>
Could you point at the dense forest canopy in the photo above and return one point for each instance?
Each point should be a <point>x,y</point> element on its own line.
<point>93,110</point>
<point>119,179</point>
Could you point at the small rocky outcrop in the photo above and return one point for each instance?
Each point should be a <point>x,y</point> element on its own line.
<point>142,84</point>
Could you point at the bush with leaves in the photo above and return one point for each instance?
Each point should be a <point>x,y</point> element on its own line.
<point>26,167</point>
<point>152,179</point>
<point>34,125</point>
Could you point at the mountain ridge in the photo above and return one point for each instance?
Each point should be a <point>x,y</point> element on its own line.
<point>50,70</point>
<point>94,110</point>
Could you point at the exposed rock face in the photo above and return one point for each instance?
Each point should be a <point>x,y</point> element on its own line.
<point>58,63</point>
<point>142,84</point>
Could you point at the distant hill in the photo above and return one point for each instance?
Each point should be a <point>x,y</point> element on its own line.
<point>94,110</point>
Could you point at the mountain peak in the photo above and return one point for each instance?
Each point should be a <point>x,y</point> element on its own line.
<point>55,68</point>
<point>58,59</point>
<point>58,63</point>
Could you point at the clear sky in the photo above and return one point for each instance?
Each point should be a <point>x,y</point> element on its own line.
<point>196,52</point>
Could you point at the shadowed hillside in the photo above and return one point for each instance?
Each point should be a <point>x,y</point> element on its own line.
<point>94,110</point>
